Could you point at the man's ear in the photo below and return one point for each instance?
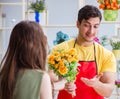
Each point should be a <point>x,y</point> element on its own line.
<point>78,24</point>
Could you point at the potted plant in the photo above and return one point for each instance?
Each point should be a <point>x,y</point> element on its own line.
<point>37,7</point>
<point>110,8</point>
<point>115,43</point>
<point>60,37</point>
<point>117,83</point>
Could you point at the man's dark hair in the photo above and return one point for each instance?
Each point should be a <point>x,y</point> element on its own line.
<point>87,12</point>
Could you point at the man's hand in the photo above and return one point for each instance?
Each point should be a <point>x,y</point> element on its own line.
<point>92,82</point>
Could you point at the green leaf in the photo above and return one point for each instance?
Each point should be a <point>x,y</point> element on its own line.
<point>38,6</point>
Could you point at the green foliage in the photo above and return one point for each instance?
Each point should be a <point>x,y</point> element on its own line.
<point>104,41</point>
<point>115,43</point>
<point>38,6</point>
<point>71,75</point>
<point>72,71</point>
<point>118,85</point>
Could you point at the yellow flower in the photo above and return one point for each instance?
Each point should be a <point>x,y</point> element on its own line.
<point>56,54</point>
<point>63,70</point>
<point>69,59</point>
<point>58,58</point>
<point>56,66</point>
<point>51,59</point>
<point>72,51</point>
<point>61,63</point>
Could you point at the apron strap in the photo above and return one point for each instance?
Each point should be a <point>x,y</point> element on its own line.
<point>94,55</point>
<point>95,58</point>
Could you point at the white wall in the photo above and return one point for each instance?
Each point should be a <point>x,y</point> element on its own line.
<point>60,12</point>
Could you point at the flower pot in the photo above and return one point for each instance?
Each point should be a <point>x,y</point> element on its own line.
<point>110,15</point>
<point>116,53</point>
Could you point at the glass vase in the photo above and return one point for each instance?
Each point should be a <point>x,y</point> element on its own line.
<point>37,16</point>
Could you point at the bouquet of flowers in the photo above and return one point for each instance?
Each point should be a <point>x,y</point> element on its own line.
<point>109,4</point>
<point>64,64</point>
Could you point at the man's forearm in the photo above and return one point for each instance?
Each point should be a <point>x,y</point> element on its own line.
<point>104,89</point>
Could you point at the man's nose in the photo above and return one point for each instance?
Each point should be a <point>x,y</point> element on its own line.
<point>91,30</point>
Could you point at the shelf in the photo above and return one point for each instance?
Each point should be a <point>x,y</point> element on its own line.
<point>45,26</point>
<point>5,28</point>
<point>62,26</point>
<point>19,3</point>
<point>110,22</point>
<point>59,26</point>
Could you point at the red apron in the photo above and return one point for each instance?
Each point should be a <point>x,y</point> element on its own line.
<point>87,69</point>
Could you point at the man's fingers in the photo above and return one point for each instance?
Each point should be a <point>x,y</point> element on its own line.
<point>99,75</point>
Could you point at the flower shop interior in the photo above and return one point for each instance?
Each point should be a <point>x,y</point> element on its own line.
<point>59,18</point>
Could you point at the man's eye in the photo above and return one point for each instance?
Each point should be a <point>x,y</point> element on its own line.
<point>96,26</point>
<point>86,25</point>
